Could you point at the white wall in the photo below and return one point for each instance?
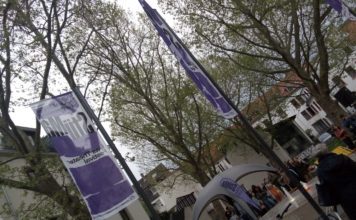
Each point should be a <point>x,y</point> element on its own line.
<point>176,185</point>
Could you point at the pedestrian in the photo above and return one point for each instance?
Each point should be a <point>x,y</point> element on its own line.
<point>228,213</point>
<point>349,122</point>
<point>292,168</point>
<point>262,195</point>
<point>274,192</point>
<point>338,174</point>
<point>301,168</point>
<point>342,135</point>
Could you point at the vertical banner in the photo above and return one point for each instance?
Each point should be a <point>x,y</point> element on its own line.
<point>94,170</point>
<point>341,8</point>
<point>193,69</point>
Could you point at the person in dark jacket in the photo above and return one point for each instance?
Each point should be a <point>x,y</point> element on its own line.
<point>339,173</point>
<point>349,122</point>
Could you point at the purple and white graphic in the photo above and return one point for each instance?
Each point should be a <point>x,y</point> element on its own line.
<point>91,165</point>
<point>341,8</point>
<point>186,59</point>
<point>231,186</point>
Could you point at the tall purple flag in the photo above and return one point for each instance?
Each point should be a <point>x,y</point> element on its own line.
<point>234,188</point>
<point>95,172</point>
<point>194,70</point>
<point>342,9</point>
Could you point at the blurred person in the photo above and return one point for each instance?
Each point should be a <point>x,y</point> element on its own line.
<point>228,213</point>
<point>338,174</point>
<point>301,168</point>
<point>274,192</point>
<point>342,135</point>
<point>262,195</point>
<point>349,122</point>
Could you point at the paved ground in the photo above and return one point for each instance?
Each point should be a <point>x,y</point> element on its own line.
<point>300,209</point>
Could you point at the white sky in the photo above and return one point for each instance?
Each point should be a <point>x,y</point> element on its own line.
<point>134,5</point>
<point>23,116</point>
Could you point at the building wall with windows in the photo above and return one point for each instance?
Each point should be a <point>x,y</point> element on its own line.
<point>309,116</point>
<point>304,111</point>
<point>176,185</point>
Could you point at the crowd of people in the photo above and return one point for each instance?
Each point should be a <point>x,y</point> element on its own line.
<point>342,183</point>
<point>265,196</point>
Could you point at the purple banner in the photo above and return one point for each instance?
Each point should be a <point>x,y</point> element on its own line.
<point>335,4</point>
<point>91,165</point>
<point>189,63</point>
<point>341,8</point>
<point>231,186</point>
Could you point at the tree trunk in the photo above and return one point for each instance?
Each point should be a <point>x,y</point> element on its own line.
<point>331,107</point>
<point>70,203</point>
<point>48,186</point>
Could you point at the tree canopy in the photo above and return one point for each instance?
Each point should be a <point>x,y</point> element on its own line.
<point>302,37</point>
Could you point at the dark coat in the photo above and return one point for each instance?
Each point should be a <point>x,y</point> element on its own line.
<point>339,173</point>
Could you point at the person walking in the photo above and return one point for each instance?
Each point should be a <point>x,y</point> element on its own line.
<point>338,174</point>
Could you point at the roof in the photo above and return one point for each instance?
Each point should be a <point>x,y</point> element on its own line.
<point>350,28</point>
<point>272,97</point>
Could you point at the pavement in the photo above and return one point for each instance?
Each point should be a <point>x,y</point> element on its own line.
<point>300,208</point>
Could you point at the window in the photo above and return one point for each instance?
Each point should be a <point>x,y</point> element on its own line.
<point>300,99</point>
<point>153,191</point>
<point>316,105</point>
<point>321,126</point>
<point>314,109</point>
<point>295,103</point>
<point>221,167</point>
<point>351,71</point>
<point>309,112</point>
<point>306,115</point>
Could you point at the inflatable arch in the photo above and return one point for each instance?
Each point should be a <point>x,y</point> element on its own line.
<point>213,190</point>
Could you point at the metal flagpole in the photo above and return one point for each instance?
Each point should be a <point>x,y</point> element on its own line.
<point>153,214</point>
<point>264,147</point>
<point>350,10</point>
<point>268,152</point>
<point>173,41</point>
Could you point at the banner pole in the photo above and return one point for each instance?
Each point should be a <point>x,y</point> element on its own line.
<point>268,152</point>
<point>264,147</point>
<point>152,213</point>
